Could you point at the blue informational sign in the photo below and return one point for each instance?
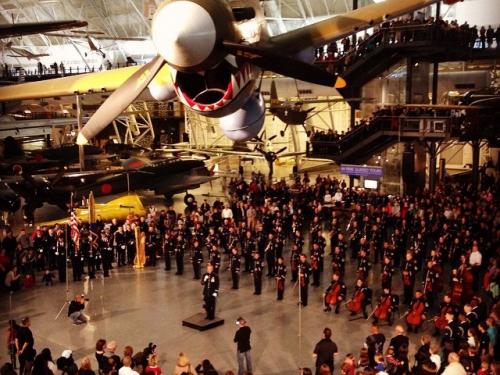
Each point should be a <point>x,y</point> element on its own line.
<point>361,170</point>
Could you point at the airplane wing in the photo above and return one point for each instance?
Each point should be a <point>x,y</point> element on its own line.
<point>19,29</point>
<point>105,81</point>
<point>320,33</point>
<point>182,183</point>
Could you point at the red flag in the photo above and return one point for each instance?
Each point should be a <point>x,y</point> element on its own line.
<point>75,231</point>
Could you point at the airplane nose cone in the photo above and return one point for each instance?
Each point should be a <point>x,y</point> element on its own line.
<point>184,33</point>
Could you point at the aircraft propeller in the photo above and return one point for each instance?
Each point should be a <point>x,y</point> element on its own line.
<point>119,100</point>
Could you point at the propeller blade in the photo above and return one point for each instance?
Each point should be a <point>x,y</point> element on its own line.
<point>120,100</point>
<point>260,150</point>
<point>272,137</point>
<point>280,150</point>
<point>268,59</point>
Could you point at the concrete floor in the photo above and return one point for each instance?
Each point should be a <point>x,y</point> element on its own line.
<point>137,307</point>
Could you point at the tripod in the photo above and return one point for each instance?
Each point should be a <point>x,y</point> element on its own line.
<point>66,302</point>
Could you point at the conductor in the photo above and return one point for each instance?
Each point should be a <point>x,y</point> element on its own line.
<point>210,282</point>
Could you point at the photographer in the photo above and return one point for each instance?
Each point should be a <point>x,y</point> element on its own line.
<point>242,339</point>
<point>75,310</point>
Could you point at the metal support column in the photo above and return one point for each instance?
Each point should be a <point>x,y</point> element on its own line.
<point>79,119</point>
<point>409,80</point>
<point>432,166</point>
<point>476,147</point>
<point>435,79</point>
<point>438,10</point>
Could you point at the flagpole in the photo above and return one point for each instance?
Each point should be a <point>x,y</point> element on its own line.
<point>66,255</point>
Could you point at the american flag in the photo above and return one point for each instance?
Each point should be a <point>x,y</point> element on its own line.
<point>75,232</point>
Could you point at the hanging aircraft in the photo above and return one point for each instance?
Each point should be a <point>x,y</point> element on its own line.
<point>20,52</point>
<point>211,54</point>
<point>164,177</point>
<point>92,39</point>
<point>19,29</point>
<point>290,113</point>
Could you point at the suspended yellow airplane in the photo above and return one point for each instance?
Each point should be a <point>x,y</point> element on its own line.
<point>119,208</point>
<point>210,55</point>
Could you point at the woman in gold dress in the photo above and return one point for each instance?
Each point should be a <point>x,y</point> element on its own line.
<point>140,241</point>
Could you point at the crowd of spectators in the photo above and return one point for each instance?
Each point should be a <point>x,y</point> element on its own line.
<point>351,48</point>
<point>332,142</point>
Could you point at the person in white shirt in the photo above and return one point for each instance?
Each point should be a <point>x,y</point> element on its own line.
<point>475,260</point>
<point>475,257</point>
<point>454,366</point>
<point>227,213</point>
<point>338,196</point>
<point>435,357</point>
<point>126,369</point>
<point>327,198</point>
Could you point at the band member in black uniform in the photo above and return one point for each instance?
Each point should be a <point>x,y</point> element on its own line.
<point>304,276</point>
<point>386,274</point>
<point>234,266</point>
<point>77,259</point>
<point>88,253</point>
<point>279,241</point>
<point>334,294</point>
<point>106,252</point>
<point>212,239</point>
<point>280,276</point>
<point>179,248</point>
<point>60,253</point>
<point>39,247</point>
<point>197,259</point>
<point>451,334</point>
<point>248,247</point>
<point>364,264</point>
<point>432,282</point>
<point>397,245</point>
<point>120,246</point>
<point>298,240</point>
<point>355,238</point>
<point>257,268</point>
<point>50,249</point>
<point>377,240</point>
<point>440,320</point>
<point>210,282</point>
<point>130,238</point>
<point>315,264</point>
<point>215,258</point>
<point>168,249</point>
<point>270,252</point>
<point>388,250</point>
<point>232,238</point>
<point>409,269</point>
<point>294,262</point>
<point>338,261</point>
<point>151,241</point>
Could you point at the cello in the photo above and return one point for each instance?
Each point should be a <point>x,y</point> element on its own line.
<point>356,303</point>
<point>383,309</point>
<point>414,317</point>
<point>331,298</point>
